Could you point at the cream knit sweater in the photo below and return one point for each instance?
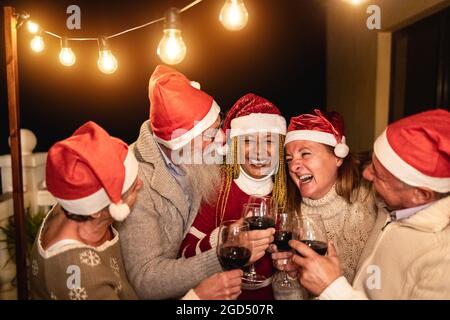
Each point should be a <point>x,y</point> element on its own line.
<point>347,225</point>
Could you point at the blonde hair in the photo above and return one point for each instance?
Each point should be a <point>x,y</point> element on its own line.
<point>230,171</point>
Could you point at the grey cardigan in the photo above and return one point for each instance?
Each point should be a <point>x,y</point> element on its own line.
<point>152,234</point>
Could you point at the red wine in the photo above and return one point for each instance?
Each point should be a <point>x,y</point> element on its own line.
<point>318,246</point>
<point>260,223</point>
<point>282,239</point>
<point>234,257</point>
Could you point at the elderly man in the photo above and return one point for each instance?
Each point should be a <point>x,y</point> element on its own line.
<point>177,153</point>
<point>407,255</point>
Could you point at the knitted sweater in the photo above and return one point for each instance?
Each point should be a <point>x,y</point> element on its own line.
<point>77,271</point>
<point>347,225</point>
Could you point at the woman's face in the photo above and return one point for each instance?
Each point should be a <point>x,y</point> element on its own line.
<point>258,154</point>
<point>312,167</point>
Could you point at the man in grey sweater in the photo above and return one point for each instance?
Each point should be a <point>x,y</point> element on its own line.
<point>181,117</point>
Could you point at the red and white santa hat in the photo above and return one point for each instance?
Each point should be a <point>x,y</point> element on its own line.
<point>91,170</point>
<point>323,127</point>
<point>416,150</point>
<point>179,110</point>
<point>254,114</point>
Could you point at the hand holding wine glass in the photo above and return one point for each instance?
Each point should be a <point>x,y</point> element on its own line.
<point>260,215</point>
<point>284,228</point>
<point>317,270</point>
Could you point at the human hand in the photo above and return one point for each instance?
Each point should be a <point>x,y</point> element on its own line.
<point>220,286</point>
<point>259,241</point>
<point>282,261</point>
<point>316,272</point>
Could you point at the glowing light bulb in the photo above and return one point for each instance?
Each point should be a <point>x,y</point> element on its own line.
<point>67,57</point>
<point>355,2</point>
<point>37,43</point>
<point>234,15</point>
<point>32,27</point>
<point>171,48</point>
<point>106,62</point>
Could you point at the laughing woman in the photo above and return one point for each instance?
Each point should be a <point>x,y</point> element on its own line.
<point>326,180</point>
<point>257,132</point>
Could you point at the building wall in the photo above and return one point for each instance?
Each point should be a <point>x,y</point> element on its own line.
<point>352,59</point>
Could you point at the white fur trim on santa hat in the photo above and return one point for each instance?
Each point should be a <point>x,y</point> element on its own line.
<point>405,172</point>
<point>257,122</point>
<point>341,149</point>
<point>100,199</point>
<point>198,128</point>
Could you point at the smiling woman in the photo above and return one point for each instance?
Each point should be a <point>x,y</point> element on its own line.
<point>325,180</point>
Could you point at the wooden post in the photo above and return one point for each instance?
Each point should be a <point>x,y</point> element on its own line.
<point>12,78</point>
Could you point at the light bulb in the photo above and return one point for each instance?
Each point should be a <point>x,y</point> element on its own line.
<point>355,2</point>
<point>107,63</point>
<point>37,44</point>
<point>171,48</point>
<point>234,15</point>
<point>32,27</point>
<point>67,57</point>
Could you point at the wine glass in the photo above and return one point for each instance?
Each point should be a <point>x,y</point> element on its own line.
<point>233,246</point>
<point>284,229</point>
<point>259,216</point>
<point>311,231</point>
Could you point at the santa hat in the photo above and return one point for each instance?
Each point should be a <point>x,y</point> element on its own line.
<point>323,127</point>
<point>416,150</point>
<point>91,170</point>
<point>179,110</point>
<point>253,114</point>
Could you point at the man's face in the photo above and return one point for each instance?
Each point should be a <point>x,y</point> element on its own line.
<point>213,134</point>
<point>391,190</point>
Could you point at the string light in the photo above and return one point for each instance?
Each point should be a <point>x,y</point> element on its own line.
<point>37,43</point>
<point>107,63</point>
<point>234,15</point>
<point>32,27</point>
<point>66,55</point>
<point>171,48</point>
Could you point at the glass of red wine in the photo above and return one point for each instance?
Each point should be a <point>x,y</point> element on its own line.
<point>260,216</point>
<point>284,228</point>
<point>311,231</point>
<point>233,246</point>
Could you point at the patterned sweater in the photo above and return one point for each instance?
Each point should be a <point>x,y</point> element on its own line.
<point>76,271</point>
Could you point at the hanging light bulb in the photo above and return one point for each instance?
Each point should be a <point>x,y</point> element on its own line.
<point>107,63</point>
<point>355,2</point>
<point>234,15</point>
<point>37,43</point>
<point>32,27</point>
<point>66,55</point>
<point>171,48</point>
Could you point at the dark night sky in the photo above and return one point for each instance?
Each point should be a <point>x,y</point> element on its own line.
<point>280,55</point>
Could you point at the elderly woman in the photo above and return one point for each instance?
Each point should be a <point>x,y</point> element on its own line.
<point>76,255</point>
<point>257,132</point>
<point>326,180</point>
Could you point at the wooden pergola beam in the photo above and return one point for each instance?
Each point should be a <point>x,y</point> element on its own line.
<point>12,78</point>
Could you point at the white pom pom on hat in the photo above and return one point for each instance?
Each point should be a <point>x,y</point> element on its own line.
<point>119,211</point>
<point>341,149</point>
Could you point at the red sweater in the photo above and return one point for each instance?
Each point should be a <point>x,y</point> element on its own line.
<point>198,239</point>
